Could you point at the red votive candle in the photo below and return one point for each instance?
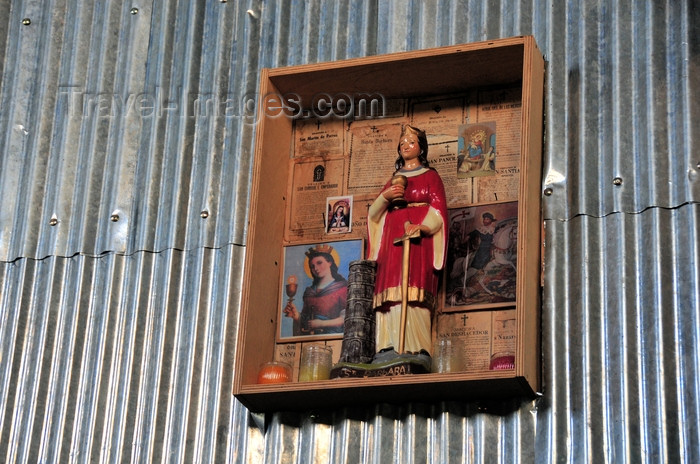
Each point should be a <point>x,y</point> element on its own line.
<point>275,372</point>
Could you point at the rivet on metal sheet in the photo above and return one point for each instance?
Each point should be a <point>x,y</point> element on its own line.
<point>617,181</point>
<point>134,11</point>
<point>548,191</point>
<point>53,221</point>
<point>204,214</point>
<point>26,21</point>
<point>114,218</point>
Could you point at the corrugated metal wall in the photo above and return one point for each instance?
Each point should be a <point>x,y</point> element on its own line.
<point>125,154</point>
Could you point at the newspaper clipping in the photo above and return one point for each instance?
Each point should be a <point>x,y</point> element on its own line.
<point>486,339</point>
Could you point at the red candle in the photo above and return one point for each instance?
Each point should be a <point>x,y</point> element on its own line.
<point>275,372</point>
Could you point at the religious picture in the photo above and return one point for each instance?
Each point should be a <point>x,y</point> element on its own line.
<point>338,218</point>
<point>481,256</point>
<point>476,146</point>
<point>313,290</point>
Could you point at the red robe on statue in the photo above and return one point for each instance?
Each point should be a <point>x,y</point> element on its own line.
<point>425,194</point>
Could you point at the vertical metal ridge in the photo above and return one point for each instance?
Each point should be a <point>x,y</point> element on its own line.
<point>122,358</point>
<point>216,374</point>
<point>7,14</point>
<point>149,391</point>
<point>687,331</point>
<point>24,401</point>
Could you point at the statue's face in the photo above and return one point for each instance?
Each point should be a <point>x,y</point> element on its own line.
<point>410,149</point>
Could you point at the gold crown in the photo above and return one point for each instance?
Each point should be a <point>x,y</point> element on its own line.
<point>406,129</point>
<point>322,248</point>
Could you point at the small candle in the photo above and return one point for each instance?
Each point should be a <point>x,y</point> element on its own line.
<point>315,363</point>
<point>275,372</point>
<point>446,356</point>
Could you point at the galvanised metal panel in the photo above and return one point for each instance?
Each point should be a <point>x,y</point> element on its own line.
<point>131,126</point>
<point>124,127</point>
<point>119,358</point>
<point>621,330</point>
<point>622,107</point>
<point>68,151</point>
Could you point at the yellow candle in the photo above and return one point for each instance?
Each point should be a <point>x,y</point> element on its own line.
<point>315,363</point>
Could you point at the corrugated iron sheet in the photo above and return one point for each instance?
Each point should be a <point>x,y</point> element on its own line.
<point>125,154</point>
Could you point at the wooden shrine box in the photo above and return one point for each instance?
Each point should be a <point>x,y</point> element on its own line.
<point>514,65</point>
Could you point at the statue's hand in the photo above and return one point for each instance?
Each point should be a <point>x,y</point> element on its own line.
<point>413,229</point>
<point>394,191</point>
